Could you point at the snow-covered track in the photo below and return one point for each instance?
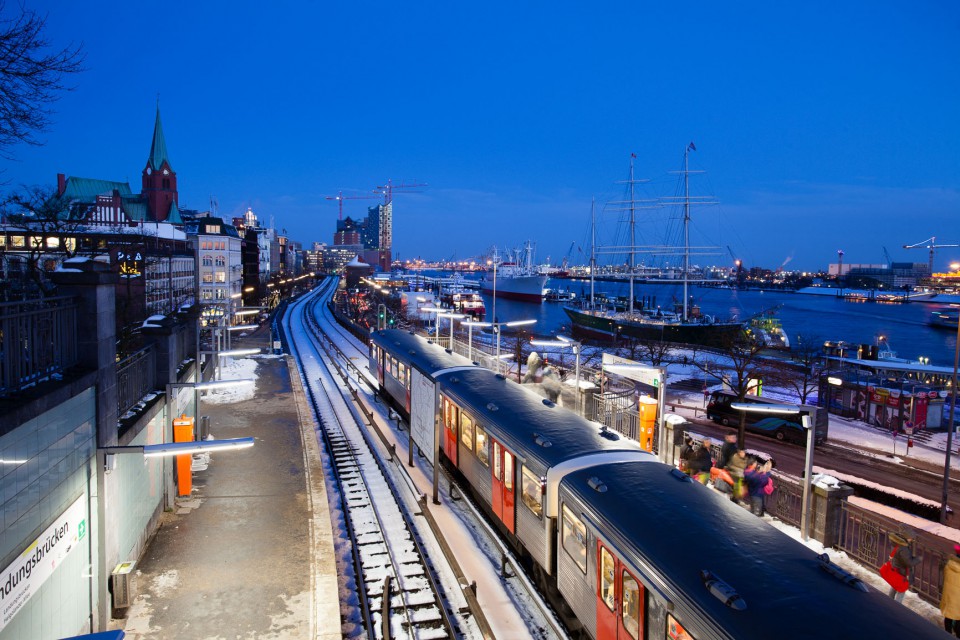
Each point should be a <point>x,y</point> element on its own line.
<point>398,595</point>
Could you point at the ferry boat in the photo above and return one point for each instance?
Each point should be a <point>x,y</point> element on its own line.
<point>945,317</point>
<point>454,294</point>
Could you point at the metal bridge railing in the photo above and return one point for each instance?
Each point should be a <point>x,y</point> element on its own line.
<point>38,339</point>
<point>136,377</point>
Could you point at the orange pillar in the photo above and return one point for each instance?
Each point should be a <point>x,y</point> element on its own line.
<point>183,432</point>
<point>648,420</point>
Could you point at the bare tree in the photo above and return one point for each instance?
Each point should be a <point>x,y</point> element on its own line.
<point>31,77</point>
<point>50,231</point>
<point>739,365</point>
<point>801,374</point>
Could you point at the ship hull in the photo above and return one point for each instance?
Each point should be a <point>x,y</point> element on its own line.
<point>603,327</point>
<point>522,288</point>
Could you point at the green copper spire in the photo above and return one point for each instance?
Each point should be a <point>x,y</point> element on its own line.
<point>158,148</point>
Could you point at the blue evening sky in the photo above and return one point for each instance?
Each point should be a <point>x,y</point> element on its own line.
<point>820,125</point>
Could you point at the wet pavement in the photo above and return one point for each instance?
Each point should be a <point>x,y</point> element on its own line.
<point>250,553</point>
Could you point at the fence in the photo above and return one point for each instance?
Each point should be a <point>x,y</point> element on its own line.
<point>865,536</point>
<point>136,377</point>
<point>38,339</point>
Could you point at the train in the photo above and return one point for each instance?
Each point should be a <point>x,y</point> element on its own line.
<point>623,545</point>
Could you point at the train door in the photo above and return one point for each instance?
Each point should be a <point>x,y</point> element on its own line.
<point>450,419</point>
<point>620,599</point>
<point>504,498</point>
<point>378,354</point>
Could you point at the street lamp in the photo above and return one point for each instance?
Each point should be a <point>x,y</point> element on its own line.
<point>470,324</point>
<point>808,463</point>
<point>950,427</point>
<point>496,330</point>
<point>198,387</point>
<point>562,343</point>
<point>452,317</point>
<point>494,262</point>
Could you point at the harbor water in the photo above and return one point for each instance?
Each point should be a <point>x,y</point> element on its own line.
<point>903,327</point>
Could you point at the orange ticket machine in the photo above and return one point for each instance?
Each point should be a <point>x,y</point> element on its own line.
<point>183,432</point>
<point>648,421</point>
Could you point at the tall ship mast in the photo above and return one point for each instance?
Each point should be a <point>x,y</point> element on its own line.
<point>684,326</point>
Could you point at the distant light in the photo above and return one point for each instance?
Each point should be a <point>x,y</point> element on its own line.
<point>835,381</point>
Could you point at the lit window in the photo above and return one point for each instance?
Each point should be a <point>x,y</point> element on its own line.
<point>466,431</point>
<point>17,242</point>
<point>675,630</point>
<point>631,605</point>
<point>483,448</point>
<point>574,537</point>
<point>607,575</point>
<point>531,495</point>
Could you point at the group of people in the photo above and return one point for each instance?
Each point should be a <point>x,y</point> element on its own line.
<point>741,476</point>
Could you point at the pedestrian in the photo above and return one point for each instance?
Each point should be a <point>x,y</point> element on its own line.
<point>686,452</point>
<point>735,467</point>
<point>701,462</point>
<point>757,478</point>
<point>727,450</point>
<point>950,593</point>
<point>903,560</point>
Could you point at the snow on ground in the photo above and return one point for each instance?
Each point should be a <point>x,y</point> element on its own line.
<point>234,369</point>
<point>911,600</point>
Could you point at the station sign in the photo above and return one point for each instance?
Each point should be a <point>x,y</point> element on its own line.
<point>633,370</point>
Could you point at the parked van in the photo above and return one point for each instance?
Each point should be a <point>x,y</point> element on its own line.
<point>784,427</point>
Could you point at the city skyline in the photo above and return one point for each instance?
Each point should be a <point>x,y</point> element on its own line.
<point>819,127</point>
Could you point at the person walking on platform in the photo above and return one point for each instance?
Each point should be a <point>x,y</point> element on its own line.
<point>950,593</point>
<point>903,560</point>
<point>727,451</point>
<point>736,467</point>
<point>701,462</point>
<point>757,479</point>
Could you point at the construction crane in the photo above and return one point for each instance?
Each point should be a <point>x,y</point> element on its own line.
<point>566,258</point>
<point>340,198</point>
<point>931,244</point>
<point>388,189</point>
<point>886,254</point>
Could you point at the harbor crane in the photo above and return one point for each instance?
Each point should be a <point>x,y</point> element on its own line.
<point>340,198</point>
<point>388,189</point>
<point>931,244</point>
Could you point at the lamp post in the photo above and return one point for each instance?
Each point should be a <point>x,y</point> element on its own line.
<point>563,343</point>
<point>197,388</point>
<point>451,317</point>
<point>808,462</point>
<point>496,330</point>
<point>494,262</point>
<point>470,324</point>
<point>950,427</point>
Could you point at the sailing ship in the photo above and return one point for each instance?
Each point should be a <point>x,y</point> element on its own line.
<point>516,278</point>
<point>686,324</point>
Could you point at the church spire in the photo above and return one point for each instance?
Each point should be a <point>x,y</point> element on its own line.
<point>158,148</point>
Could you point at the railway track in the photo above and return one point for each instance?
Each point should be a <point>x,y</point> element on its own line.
<point>398,593</point>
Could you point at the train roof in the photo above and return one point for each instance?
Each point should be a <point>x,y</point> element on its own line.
<point>680,528</point>
<point>527,423</point>
<point>420,353</point>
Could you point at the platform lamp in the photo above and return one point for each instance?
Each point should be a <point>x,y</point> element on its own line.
<point>470,324</point>
<point>950,427</point>
<point>437,311</point>
<point>451,317</point>
<point>792,409</point>
<point>496,330</point>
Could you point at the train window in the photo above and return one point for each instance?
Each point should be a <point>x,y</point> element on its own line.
<point>449,414</point>
<point>675,630</point>
<point>531,493</point>
<point>631,605</point>
<point>403,374</point>
<point>483,450</point>
<point>507,471</point>
<point>574,537</point>
<point>466,431</point>
<point>607,574</point>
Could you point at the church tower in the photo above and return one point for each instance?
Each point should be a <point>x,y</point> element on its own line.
<point>159,178</point>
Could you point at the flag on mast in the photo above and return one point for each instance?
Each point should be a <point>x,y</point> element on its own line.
<point>693,147</point>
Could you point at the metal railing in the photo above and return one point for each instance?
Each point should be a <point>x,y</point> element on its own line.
<point>136,377</point>
<point>38,339</point>
<point>865,537</point>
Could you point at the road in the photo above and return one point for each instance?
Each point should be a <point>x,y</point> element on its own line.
<point>919,478</point>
